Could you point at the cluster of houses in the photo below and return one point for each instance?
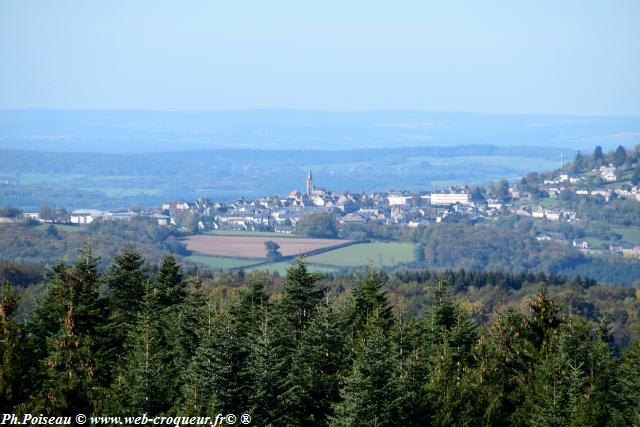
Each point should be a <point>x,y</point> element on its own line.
<point>580,186</point>
<point>281,213</point>
<point>87,216</point>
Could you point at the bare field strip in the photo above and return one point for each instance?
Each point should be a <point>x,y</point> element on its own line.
<point>253,246</point>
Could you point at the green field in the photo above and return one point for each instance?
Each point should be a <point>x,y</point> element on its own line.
<point>529,163</point>
<point>553,203</point>
<point>629,234</point>
<point>46,178</point>
<point>249,233</point>
<point>223,263</point>
<point>62,227</point>
<point>595,243</point>
<point>376,253</point>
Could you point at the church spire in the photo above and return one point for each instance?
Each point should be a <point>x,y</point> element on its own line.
<point>309,183</point>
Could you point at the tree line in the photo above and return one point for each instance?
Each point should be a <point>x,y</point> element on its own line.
<point>136,339</point>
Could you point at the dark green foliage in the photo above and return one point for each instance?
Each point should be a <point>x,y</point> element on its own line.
<point>73,369</point>
<point>598,157</point>
<point>273,250</point>
<point>11,354</point>
<point>368,394</point>
<point>312,383</point>
<point>20,274</point>
<point>573,384</point>
<point>369,301</point>
<point>313,355</point>
<point>419,253</point>
<point>23,243</point>
<point>450,337</point>
<point>502,191</point>
<point>143,383</point>
<point>619,156</point>
<point>226,356</point>
<point>10,212</point>
<point>411,372</point>
<point>125,280</point>
<point>300,296</point>
<point>318,225</point>
<point>457,246</point>
<point>170,286</point>
<point>629,388</point>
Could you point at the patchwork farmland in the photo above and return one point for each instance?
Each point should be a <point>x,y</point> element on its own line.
<point>253,246</point>
<point>228,252</point>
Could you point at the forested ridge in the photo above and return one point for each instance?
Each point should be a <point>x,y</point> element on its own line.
<point>306,350</point>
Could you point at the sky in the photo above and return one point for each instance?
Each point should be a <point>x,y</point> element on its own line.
<point>544,56</point>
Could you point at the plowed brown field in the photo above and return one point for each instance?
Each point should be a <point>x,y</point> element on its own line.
<point>253,246</point>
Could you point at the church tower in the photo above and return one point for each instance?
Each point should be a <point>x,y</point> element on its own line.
<point>309,184</point>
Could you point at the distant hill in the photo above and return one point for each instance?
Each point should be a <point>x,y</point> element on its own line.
<point>119,131</point>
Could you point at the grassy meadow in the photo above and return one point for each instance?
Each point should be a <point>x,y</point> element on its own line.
<point>377,254</point>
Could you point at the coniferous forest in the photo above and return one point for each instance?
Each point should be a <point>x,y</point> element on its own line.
<point>138,338</point>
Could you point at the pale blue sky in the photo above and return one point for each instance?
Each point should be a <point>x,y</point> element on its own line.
<point>542,56</point>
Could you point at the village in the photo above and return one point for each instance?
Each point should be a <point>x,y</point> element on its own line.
<point>536,197</point>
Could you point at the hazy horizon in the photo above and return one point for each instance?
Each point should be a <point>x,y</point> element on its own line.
<point>321,110</point>
<point>120,131</point>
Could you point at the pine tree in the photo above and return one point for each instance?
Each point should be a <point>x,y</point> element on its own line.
<point>73,370</point>
<point>598,157</point>
<point>169,283</point>
<point>198,387</point>
<point>619,156</point>
<point>176,314</point>
<point>410,373</point>
<point>629,379</point>
<point>368,393</point>
<point>501,368</point>
<point>370,300</point>
<point>40,325</point>
<point>247,315</point>
<point>312,382</point>
<point>252,302</point>
<point>11,356</point>
<point>228,361</point>
<point>448,322</point>
<point>300,296</point>
<point>125,280</point>
<point>452,383</point>
<point>540,328</point>
<point>182,323</point>
<point>573,382</point>
<point>141,384</point>
<point>268,366</point>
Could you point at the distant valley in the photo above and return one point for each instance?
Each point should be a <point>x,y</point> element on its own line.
<point>107,180</point>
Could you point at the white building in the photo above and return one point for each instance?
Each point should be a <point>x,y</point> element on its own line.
<point>449,198</point>
<point>31,215</point>
<point>85,216</point>
<point>552,215</point>
<point>608,174</point>
<point>398,199</point>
